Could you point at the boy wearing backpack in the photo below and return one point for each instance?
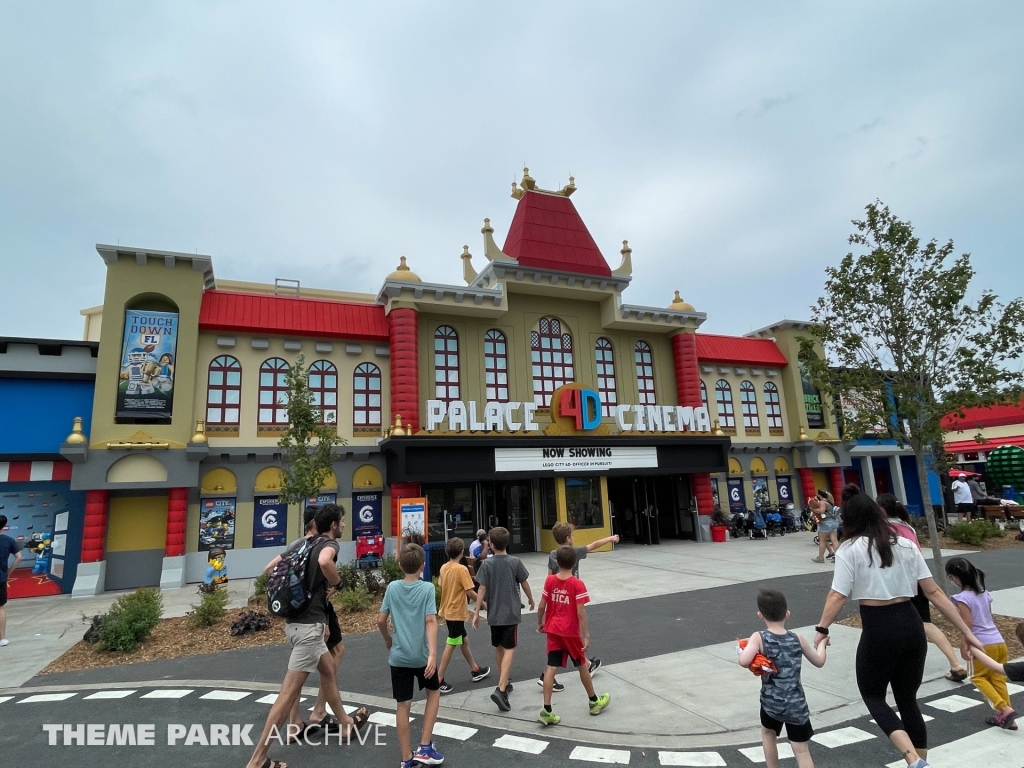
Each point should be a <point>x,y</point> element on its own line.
<point>307,630</point>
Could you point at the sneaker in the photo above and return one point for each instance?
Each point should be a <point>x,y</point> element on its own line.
<point>1003,721</point>
<point>595,664</point>
<point>817,560</point>
<point>548,718</point>
<point>500,698</point>
<point>830,556</point>
<point>920,763</point>
<point>446,688</point>
<point>597,707</point>
<point>427,754</point>
<point>4,642</point>
<point>508,688</point>
<point>410,763</point>
<point>480,674</point>
<point>557,687</point>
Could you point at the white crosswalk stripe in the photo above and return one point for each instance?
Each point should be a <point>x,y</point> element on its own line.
<point>756,754</point>
<point>225,695</point>
<point>692,759</point>
<point>521,744</point>
<point>41,697</point>
<point>271,698</point>
<point>598,755</point>
<point>452,731</point>
<point>954,703</point>
<point>5,698</point>
<point>926,718</point>
<point>385,718</point>
<point>841,737</point>
<point>168,693</point>
<point>992,748</point>
<point>122,694</point>
<point>1013,689</point>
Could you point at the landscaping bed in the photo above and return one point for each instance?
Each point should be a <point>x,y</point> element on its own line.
<point>1006,624</point>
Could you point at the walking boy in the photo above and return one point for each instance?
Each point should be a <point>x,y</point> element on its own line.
<point>456,586</point>
<point>411,605</point>
<point>782,696</point>
<point>8,546</point>
<point>500,578</point>
<point>563,617</point>
<point>308,634</point>
<point>562,533</point>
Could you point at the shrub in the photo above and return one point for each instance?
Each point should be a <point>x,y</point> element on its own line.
<point>437,593</point>
<point>130,620</point>
<point>250,621</point>
<point>259,586</point>
<point>211,608</point>
<point>355,599</point>
<point>390,570</point>
<point>973,533</point>
<point>350,578</point>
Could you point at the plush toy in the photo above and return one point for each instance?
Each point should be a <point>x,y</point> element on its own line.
<point>216,571</point>
<point>761,665</point>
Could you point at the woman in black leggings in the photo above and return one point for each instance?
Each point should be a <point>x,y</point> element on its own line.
<point>882,571</point>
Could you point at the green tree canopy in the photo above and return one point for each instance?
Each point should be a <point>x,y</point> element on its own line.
<point>905,345</point>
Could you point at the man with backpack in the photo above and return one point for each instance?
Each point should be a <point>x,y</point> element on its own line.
<point>298,590</point>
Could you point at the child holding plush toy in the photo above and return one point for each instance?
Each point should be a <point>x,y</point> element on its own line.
<point>775,654</point>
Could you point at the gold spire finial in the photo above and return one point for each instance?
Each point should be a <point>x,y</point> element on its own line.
<point>77,436</point>
<point>487,225</point>
<point>402,272</point>
<point>200,435</point>
<point>679,305</point>
<point>465,252</point>
<point>718,430</point>
<point>398,430</point>
<point>803,434</point>
<point>625,248</point>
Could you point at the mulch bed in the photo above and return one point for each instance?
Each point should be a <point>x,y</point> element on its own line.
<point>174,638</point>
<point>1007,540</point>
<point>1006,624</point>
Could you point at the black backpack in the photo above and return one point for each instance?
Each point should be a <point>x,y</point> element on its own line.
<point>289,590</point>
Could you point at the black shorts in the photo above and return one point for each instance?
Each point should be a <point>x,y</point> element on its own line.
<point>334,636</point>
<point>456,632</point>
<point>506,636</point>
<point>922,605</point>
<point>794,732</point>
<point>403,677</point>
<point>3,593</point>
<point>562,659</point>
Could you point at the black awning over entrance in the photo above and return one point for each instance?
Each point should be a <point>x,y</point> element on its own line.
<point>419,459</point>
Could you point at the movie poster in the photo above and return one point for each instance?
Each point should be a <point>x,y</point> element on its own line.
<point>812,401</point>
<point>146,384</point>
<point>785,488</point>
<point>760,486</point>
<point>737,502</point>
<point>269,522</point>
<point>217,524</point>
<point>366,517</point>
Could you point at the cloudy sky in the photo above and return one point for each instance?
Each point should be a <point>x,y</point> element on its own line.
<point>731,143</point>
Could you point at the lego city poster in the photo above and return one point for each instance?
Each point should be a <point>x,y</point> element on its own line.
<point>146,385</point>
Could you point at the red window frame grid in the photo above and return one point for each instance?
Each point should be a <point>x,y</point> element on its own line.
<point>725,406</point>
<point>604,359</point>
<point>496,366</point>
<point>367,371</point>
<point>279,386</point>
<point>748,406</point>
<point>446,374</point>
<point>643,356</point>
<point>773,409</point>
<point>221,365</point>
<point>319,391</point>
<point>548,373</point>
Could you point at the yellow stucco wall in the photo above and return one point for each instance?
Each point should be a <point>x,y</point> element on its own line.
<point>136,523</point>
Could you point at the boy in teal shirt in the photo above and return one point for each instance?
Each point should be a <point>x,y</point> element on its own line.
<point>411,605</point>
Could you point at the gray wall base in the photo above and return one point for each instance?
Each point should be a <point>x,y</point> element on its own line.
<point>172,575</point>
<point>90,580</point>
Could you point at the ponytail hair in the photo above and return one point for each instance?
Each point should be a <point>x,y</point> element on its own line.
<point>893,508</point>
<point>967,574</point>
<point>862,517</point>
<point>849,491</point>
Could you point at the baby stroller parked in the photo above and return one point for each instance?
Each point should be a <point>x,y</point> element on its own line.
<point>790,522</point>
<point>758,528</point>
<point>773,522</point>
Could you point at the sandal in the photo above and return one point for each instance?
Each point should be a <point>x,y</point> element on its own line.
<point>268,763</point>
<point>296,738</point>
<point>1003,721</point>
<point>328,723</point>
<point>957,677</point>
<point>359,718</point>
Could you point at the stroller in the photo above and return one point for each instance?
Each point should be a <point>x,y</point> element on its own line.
<point>738,525</point>
<point>790,521</point>
<point>757,527</point>
<point>773,522</point>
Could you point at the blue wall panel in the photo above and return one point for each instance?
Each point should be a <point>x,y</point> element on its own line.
<point>36,414</point>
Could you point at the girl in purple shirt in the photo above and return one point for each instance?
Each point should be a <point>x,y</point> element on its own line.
<point>975,605</point>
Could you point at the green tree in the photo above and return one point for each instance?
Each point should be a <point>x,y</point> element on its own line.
<point>905,346</point>
<point>308,443</point>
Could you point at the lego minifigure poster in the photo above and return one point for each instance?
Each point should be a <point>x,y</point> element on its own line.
<point>217,524</point>
<point>146,384</point>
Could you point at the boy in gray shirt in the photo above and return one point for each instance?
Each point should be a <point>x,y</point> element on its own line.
<point>500,578</point>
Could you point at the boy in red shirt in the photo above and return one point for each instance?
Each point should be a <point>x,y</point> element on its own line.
<point>563,617</point>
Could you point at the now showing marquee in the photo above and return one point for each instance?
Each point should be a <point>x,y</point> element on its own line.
<point>574,458</point>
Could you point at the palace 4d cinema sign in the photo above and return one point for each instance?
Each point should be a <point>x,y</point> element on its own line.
<point>582,405</point>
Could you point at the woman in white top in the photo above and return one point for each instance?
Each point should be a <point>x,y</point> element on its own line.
<point>882,571</point>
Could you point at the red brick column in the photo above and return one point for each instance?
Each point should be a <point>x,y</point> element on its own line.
<point>94,531</point>
<point>807,484</point>
<point>401,491</point>
<point>177,514</point>
<point>838,480</point>
<point>403,326</point>
<point>684,355</point>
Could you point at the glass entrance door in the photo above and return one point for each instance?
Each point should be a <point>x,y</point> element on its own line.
<point>510,505</point>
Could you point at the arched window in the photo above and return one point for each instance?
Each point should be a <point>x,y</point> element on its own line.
<point>703,393</point>
<point>224,394</point>
<point>773,409</point>
<point>726,412</point>
<point>446,364</point>
<point>605,360</point>
<point>323,386</point>
<point>274,393</point>
<point>496,366</point>
<point>644,372</point>
<point>748,403</point>
<point>551,357</point>
<point>366,399</point>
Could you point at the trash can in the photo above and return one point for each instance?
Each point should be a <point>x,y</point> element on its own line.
<point>436,557</point>
<point>704,527</point>
<point>720,533</point>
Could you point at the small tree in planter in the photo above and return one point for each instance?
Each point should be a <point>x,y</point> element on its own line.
<point>309,441</point>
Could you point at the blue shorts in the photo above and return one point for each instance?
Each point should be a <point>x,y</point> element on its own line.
<point>828,525</point>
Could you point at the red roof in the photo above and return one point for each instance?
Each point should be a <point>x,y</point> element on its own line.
<point>739,349</point>
<point>289,315</point>
<point>548,233</point>
<point>979,418</point>
<point>973,446</point>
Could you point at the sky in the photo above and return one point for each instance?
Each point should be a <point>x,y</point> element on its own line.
<point>730,143</point>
